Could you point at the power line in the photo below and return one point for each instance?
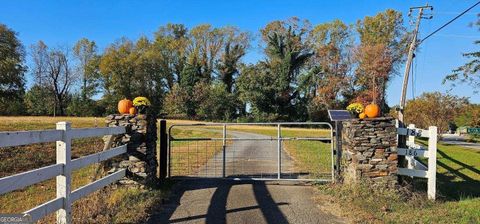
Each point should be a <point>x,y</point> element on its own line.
<point>453,13</point>
<point>459,36</point>
<point>446,24</point>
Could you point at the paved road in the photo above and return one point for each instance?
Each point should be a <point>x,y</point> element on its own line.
<point>228,201</point>
<point>452,139</point>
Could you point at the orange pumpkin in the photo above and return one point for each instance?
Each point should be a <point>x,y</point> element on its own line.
<point>124,106</point>
<point>372,110</point>
<point>132,111</point>
<point>362,116</point>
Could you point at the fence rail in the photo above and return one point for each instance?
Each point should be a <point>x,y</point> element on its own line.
<point>416,168</point>
<point>62,170</point>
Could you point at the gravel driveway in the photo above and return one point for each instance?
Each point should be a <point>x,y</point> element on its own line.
<point>229,201</point>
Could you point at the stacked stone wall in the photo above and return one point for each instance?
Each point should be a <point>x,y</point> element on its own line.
<point>141,157</point>
<point>370,151</point>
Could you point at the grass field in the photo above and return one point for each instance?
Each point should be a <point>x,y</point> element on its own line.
<point>109,205</point>
<point>458,180</point>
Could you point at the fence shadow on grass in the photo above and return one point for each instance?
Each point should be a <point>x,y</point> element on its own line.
<point>454,184</point>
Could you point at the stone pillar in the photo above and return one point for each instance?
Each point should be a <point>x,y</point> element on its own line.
<point>370,151</point>
<point>141,139</point>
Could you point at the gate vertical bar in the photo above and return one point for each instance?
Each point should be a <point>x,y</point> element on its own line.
<point>169,137</point>
<point>64,156</point>
<point>163,154</point>
<point>279,148</point>
<point>224,153</point>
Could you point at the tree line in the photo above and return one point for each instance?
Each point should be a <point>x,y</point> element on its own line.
<point>200,73</point>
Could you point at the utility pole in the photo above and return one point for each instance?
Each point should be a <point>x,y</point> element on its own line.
<point>411,51</point>
<point>402,139</point>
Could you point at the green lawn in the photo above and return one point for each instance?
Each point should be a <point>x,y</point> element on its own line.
<point>458,187</point>
<point>311,157</point>
<point>458,172</point>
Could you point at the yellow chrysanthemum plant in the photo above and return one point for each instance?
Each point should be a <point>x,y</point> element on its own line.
<point>355,109</point>
<point>141,103</point>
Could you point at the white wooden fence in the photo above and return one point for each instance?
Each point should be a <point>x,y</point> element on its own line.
<point>62,170</point>
<point>415,168</point>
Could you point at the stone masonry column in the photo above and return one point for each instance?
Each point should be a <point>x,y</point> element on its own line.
<point>141,139</point>
<point>370,151</point>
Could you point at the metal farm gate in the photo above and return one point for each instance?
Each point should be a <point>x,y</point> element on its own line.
<point>255,151</point>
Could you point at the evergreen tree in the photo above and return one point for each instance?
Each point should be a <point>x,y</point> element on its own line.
<point>12,70</point>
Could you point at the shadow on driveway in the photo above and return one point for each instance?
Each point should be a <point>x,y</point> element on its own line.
<point>217,209</point>
<point>221,201</point>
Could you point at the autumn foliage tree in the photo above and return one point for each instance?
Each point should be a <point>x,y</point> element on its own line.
<point>328,77</point>
<point>373,73</point>
<point>381,50</point>
<point>199,72</point>
<point>469,116</point>
<point>211,58</point>
<point>434,109</point>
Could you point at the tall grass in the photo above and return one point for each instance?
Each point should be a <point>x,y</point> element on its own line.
<point>109,205</point>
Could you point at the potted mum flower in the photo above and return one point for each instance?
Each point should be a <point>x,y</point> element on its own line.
<point>141,104</point>
<point>355,109</point>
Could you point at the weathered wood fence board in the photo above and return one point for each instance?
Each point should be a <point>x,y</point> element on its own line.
<point>44,209</point>
<point>28,137</point>
<point>416,168</point>
<point>87,189</point>
<point>412,152</point>
<point>98,157</point>
<point>92,132</point>
<point>28,178</point>
<point>62,170</point>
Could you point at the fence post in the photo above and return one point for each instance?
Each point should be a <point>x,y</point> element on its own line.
<point>64,151</point>
<point>279,148</point>
<point>338,149</point>
<point>332,151</point>
<point>432,162</point>
<point>163,154</point>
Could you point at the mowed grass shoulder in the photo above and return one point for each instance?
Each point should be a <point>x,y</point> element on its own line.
<point>458,187</point>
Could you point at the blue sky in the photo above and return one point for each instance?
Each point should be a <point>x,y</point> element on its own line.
<point>64,22</point>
